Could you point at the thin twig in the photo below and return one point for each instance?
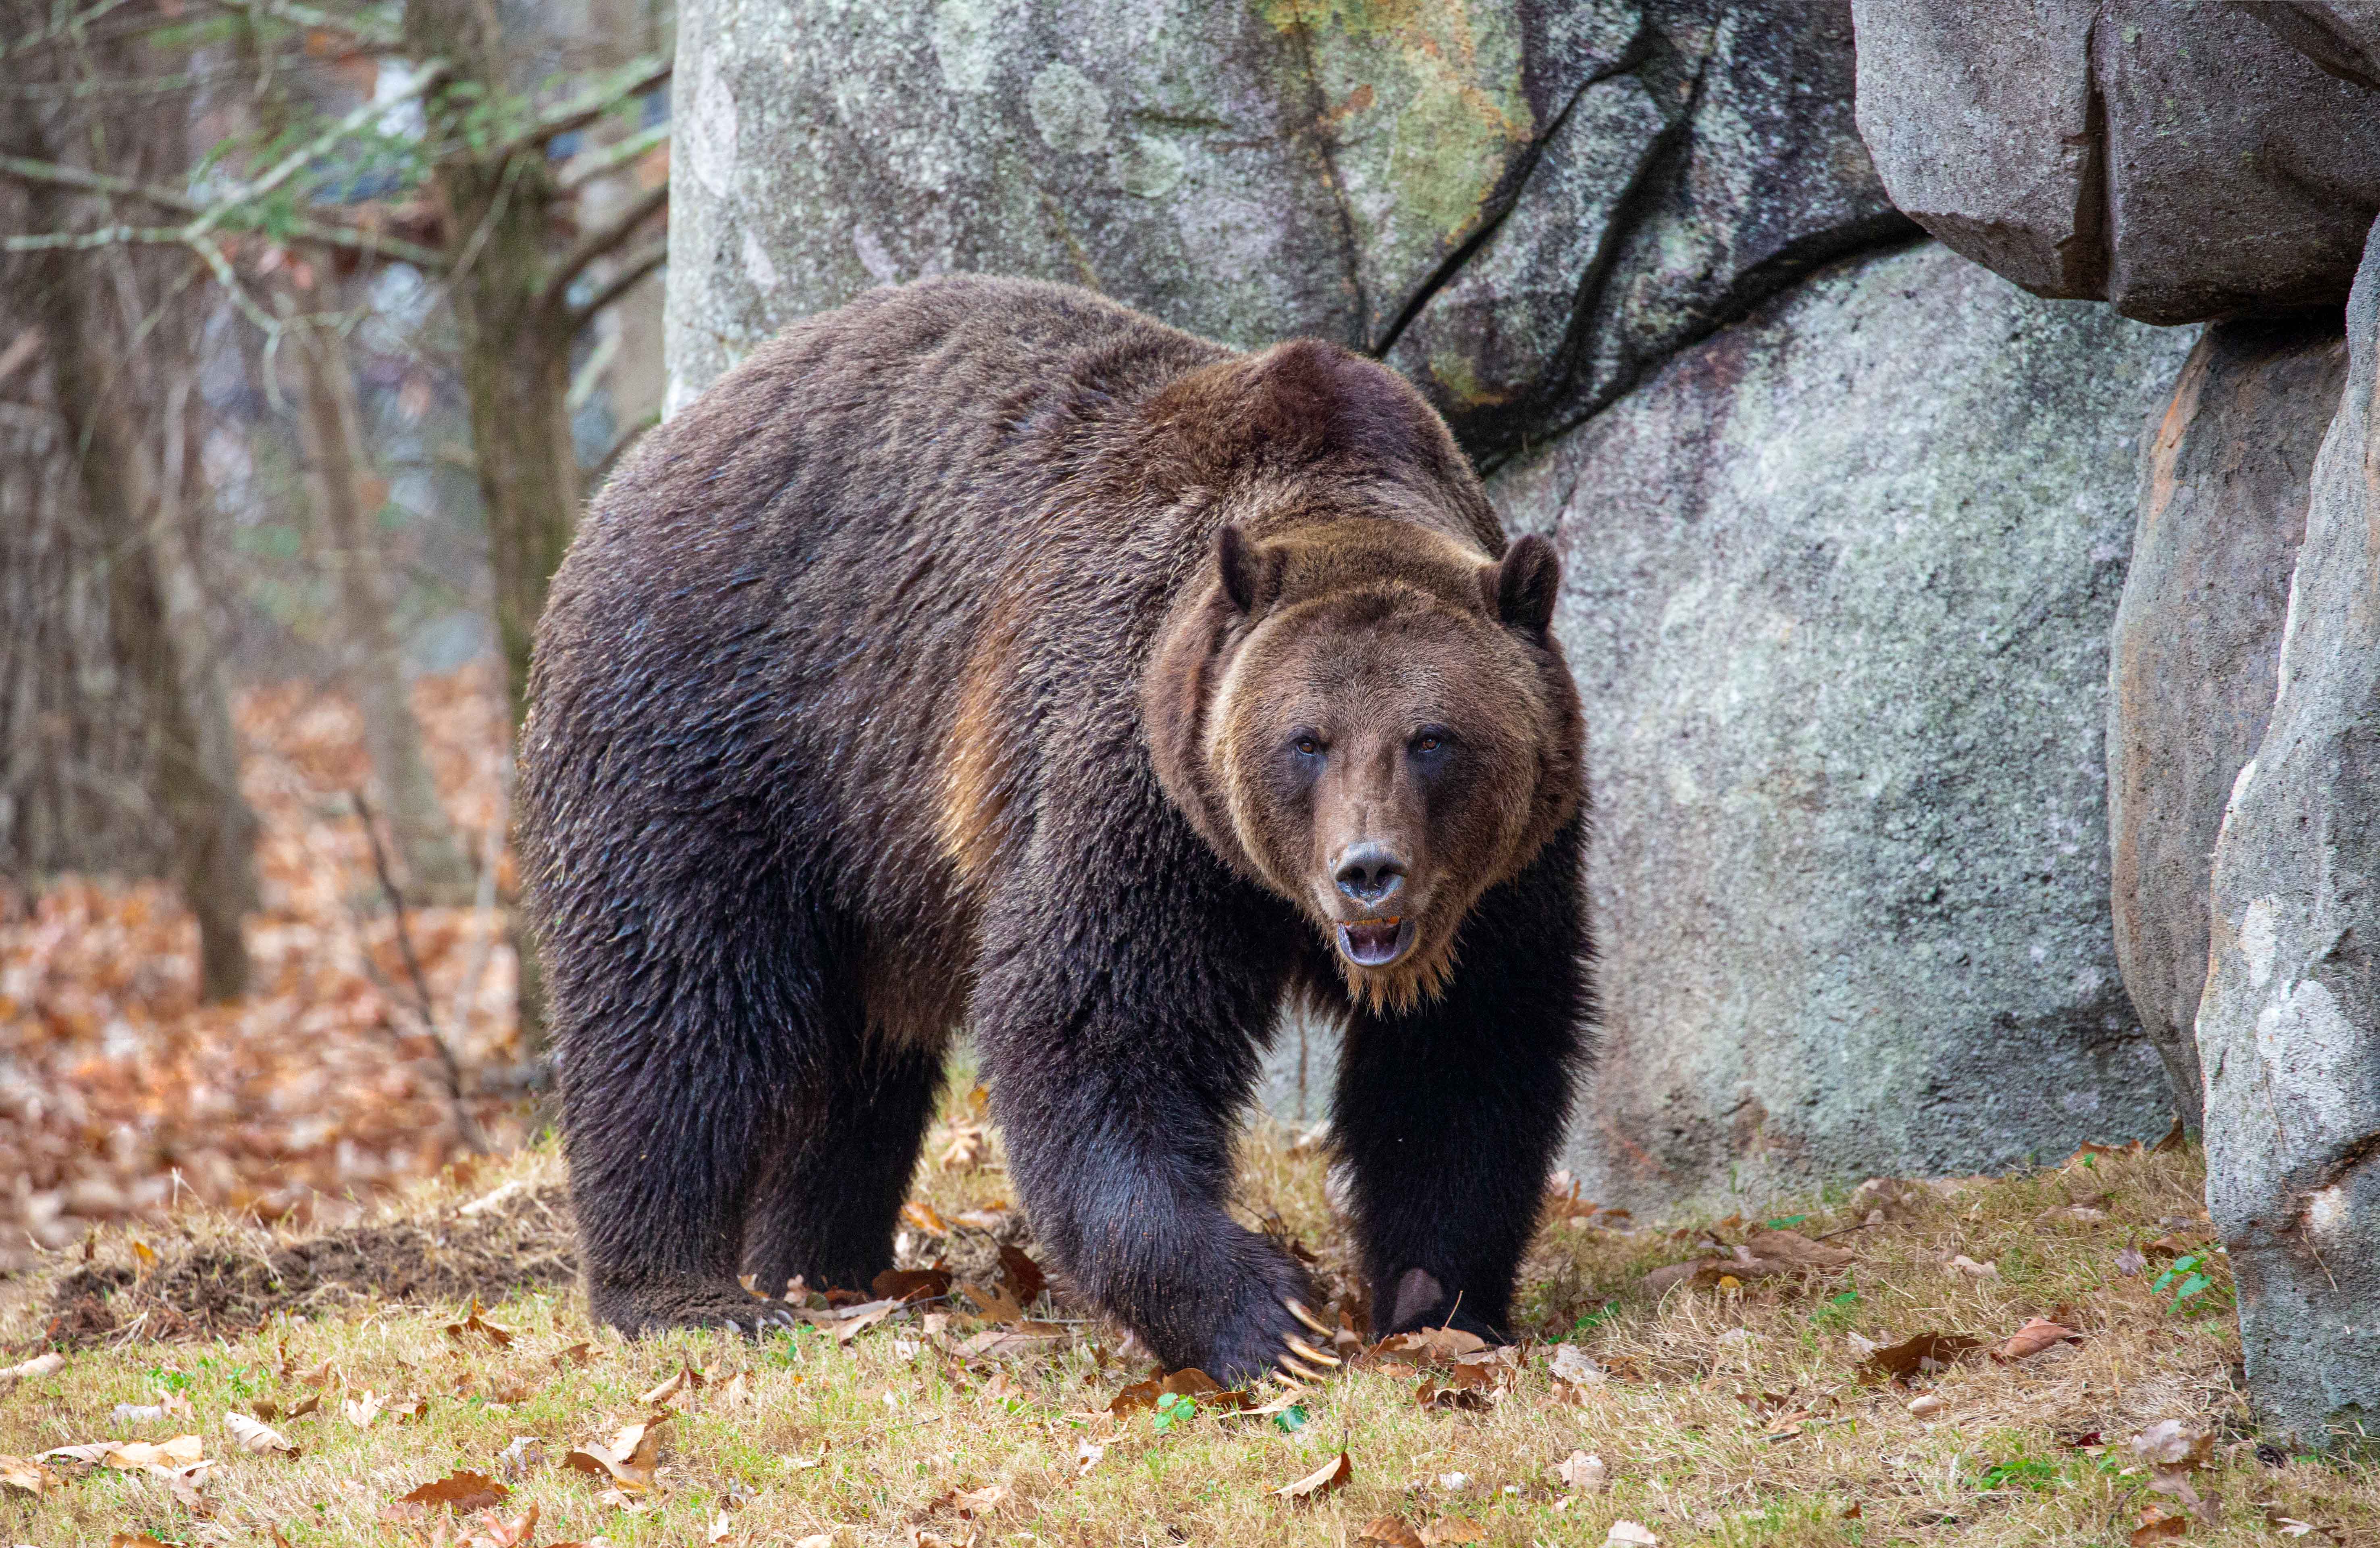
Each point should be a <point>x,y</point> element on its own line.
<point>65,28</point>
<point>208,217</point>
<point>600,164</point>
<point>358,28</point>
<point>465,1123</point>
<point>430,75</point>
<point>632,79</point>
<point>633,269</point>
<point>596,243</point>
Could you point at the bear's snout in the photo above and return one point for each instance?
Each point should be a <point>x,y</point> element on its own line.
<point>1369,872</point>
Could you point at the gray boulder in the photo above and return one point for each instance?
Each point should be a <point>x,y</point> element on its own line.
<point>2198,643</point>
<point>1837,589</point>
<point>1248,172</point>
<point>1524,204</point>
<point>1669,202</point>
<point>2289,1030</point>
<point>2180,162</point>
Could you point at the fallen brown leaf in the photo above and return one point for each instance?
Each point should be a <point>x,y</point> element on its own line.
<point>179,1452</point>
<point>21,1477</point>
<point>921,1215</point>
<point>2038,1334</point>
<point>1452,1529</point>
<point>905,1284</point>
<point>2169,1442</point>
<point>1800,1251</point>
<point>997,1305</point>
<point>1320,1482</point>
<point>969,1143</point>
<point>462,1491</point>
<point>474,1325</point>
<point>577,1354</point>
<point>39,1365</point>
<point>1431,1346</point>
<point>628,1459</point>
<point>254,1435</point>
<point>1189,1382</point>
<point>2159,1525</point>
<point>517,1532</point>
<point>676,1393</point>
<point>1390,1532</point>
<point>1026,1279</point>
<point>1582,1470</point>
<point>1927,1351</point>
<point>361,1411</point>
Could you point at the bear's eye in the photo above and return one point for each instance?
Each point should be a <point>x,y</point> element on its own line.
<point>1427,744</point>
<point>1307,746</point>
<point>1431,738</point>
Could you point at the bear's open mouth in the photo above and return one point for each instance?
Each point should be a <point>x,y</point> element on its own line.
<point>1376,942</point>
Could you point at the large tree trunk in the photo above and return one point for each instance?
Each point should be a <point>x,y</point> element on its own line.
<point>516,365</point>
<point>213,829</point>
<point>338,480</point>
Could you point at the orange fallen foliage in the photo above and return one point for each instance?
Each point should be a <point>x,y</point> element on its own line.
<point>119,1094</point>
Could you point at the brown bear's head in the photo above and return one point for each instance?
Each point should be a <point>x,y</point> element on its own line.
<point>1368,717</point>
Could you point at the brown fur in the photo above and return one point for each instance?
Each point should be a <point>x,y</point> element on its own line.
<point>933,665</point>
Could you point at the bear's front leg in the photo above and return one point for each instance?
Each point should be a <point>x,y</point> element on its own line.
<point>1119,1017</point>
<point>1450,1117</point>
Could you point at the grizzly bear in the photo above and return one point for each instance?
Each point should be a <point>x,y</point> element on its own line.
<point>987,654</point>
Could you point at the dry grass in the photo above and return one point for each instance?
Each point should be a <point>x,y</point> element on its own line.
<point>1732,1416</point>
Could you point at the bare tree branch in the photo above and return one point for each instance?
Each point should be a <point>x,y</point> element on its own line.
<point>371,31</point>
<point>429,76</point>
<point>465,1125</point>
<point>612,158</point>
<point>596,243</point>
<point>632,79</point>
<point>351,238</point>
<point>106,236</point>
<point>644,261</point>
<point>66,27</point>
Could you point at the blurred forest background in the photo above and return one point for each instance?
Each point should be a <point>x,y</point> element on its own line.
<point>314,324</point>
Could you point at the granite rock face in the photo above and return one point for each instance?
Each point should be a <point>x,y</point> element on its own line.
<point>1248,172</point>
<point>1675,198</point>
<point>1836,589</point>
<point>2180,162</point>
<point>1523,203</point>
<point>2198,643</point>
<point>2289,1030</point>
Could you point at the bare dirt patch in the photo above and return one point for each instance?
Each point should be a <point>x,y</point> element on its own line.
<point>225,1283</point>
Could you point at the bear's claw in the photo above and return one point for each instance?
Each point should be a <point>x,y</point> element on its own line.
<point>1288,1365</point>
<point>1303,1350</point>
<point>1293,1364</point>
<point>1298,1310</point>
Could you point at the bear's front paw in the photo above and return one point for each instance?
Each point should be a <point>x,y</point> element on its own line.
<point>645,1306</point>
<point>1275,1331</point>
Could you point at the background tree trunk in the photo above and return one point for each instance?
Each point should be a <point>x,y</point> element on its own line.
<point>340,482</point>
<point>214,831</point>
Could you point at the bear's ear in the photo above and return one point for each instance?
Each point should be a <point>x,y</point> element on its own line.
<point>1522,588</point>
<point>1249,575</point>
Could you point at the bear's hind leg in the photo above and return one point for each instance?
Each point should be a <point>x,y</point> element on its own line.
<point>683,1057</point>
<point>826,1207</point>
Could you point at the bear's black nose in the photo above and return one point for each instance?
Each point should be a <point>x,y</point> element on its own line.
<point>1370,872</point>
